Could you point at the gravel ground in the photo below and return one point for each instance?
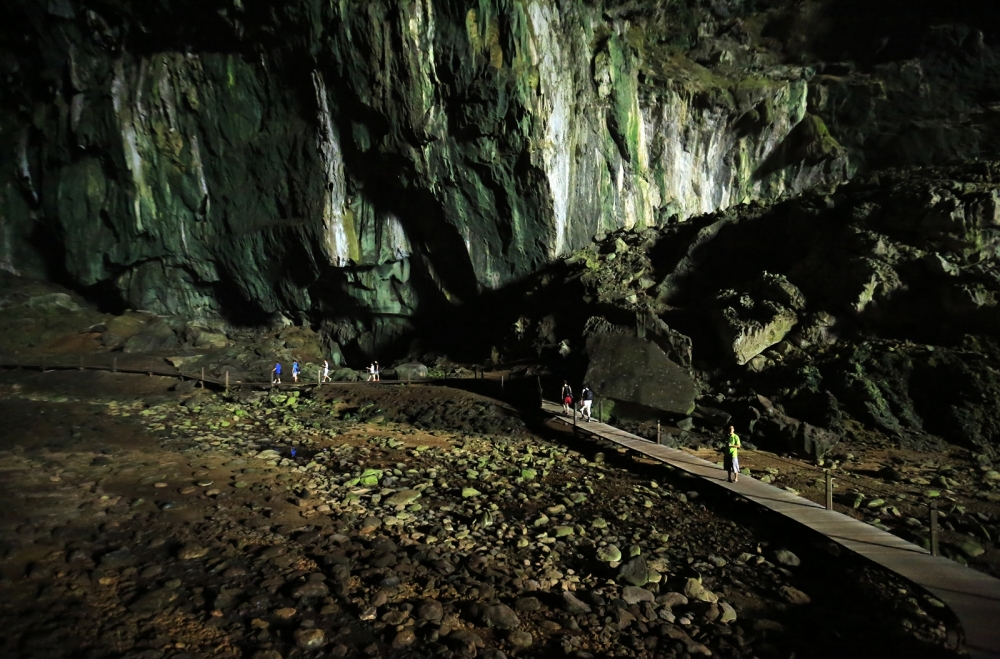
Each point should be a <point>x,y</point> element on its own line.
<point>143,518</point>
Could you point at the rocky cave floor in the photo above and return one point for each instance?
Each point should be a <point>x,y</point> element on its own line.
<point>143,517</point>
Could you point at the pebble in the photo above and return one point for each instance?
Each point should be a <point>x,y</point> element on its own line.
<point>311,590</point>
<point>693,588</point>
<point>430,611</point>
<point>154,601</point>
<point>635,595</point>
<point>527,604</point>
<point>672,599</point>
<point>609,554</point>
<point>191,552</point>
<point>500,616</point>
<point>396,617</point>
<point>571,604</point>
<point>403,498</point>
<point>635,571</point>
<point>117,559</point>
<point>466,638</point>
<point>404,638</point>
<point>786,557</point>
<point>310,639</point>
<point>793,595</point>
<point>520,639</point>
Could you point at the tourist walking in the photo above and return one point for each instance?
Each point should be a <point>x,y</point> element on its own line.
<point>295,371</point>
<point>586,400</point>
<point>732,460</point>
<point>371,372</point>
<point>376,371</point>
<point>567,397</point>
<point>276,373</point>
<point>326,370</point>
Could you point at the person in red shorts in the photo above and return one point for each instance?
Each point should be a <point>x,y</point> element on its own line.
<point>567,397</point>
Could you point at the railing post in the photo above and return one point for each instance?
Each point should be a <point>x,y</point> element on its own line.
<point>114,365</point>
<point>81,362</point>
<point>657,432</point>
<point>501,383</point>
<point>227,382</point>
<point>202,377</point>
<point>600,410</point>
<point>574,418</point>
<point>934,528</point>
<point>829,490</point>
<point>319,377</point>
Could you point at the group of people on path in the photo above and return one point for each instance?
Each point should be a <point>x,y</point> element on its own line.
<point>586,400</point>
<point>297,371</point>
<point>372,369</point>
<point>731,461</point>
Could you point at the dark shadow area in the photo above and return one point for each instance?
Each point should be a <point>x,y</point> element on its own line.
<point>871,33</point>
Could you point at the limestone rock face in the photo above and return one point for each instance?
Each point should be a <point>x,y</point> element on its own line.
<point>378,159</point>
<point>222,180</point>
<point>635,370</point>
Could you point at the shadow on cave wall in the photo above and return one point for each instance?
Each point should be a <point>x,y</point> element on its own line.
<point>872,33</point>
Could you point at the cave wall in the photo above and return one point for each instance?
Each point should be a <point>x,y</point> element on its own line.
<point>359,162</point>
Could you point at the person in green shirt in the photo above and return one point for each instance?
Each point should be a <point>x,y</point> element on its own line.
<point>732,460</point>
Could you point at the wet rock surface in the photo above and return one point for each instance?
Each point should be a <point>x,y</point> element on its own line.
<point>251,551</point>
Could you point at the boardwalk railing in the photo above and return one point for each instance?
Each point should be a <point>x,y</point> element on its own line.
<point>144,366</point>
<point>972,596</point>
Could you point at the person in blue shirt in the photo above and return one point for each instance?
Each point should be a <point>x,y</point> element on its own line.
<point>276,373</point>
<point>295,371</point>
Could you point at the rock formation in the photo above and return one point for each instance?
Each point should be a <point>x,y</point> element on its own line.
<point>359,165</point>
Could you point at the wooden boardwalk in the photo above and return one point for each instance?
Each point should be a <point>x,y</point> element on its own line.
<point>79,364</point>
<point>974,597</point>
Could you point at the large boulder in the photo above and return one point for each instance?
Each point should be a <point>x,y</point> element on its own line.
<point>411,371</point>
<point>58,302</point>
<point>779,432</point>
<point>635,370</point>
<point>156,334</point>
<point>754,320</point>
<point>344,375</point>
